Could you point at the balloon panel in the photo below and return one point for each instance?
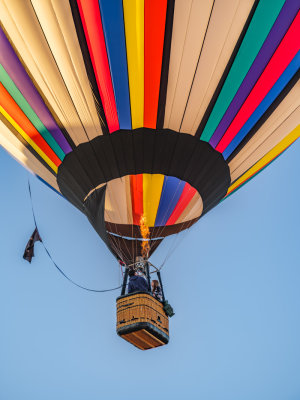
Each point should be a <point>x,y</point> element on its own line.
<point>155,109</point>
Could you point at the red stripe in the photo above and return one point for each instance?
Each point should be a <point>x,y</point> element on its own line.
<point>284,54</point>
<point>92,25</point>
<point>184,200</point>
<point>12,108</point>
<point>136,186</point>
<point>155,18</point>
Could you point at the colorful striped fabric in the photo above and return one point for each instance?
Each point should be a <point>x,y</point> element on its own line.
<point>159,100</point>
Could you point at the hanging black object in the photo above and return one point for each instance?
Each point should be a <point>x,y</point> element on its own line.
<point>29,250</point>
<point>28,253</point>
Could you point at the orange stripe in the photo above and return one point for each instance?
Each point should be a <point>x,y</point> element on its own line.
<point>136,186</point>
<point>155,17</point>
<point>11,107</point>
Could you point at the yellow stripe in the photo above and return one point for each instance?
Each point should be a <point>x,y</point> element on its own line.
<point>279,148</point>
<point>134,31</point>
<point>152,185</point>
<point>28,139</point>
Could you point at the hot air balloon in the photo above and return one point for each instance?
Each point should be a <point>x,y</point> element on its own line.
<point>145,114</point>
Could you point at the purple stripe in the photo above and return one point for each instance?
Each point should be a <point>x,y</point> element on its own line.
<point>14,68</point>
<point>279,29</point>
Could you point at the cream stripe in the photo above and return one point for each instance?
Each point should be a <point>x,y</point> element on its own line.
<point>58,26</point>
<point>193,210</point>
<point>19,19</point>
<point>115,202</point>
<point>227,22</point>
<point>118,207</point>
<point>181,18</point>
<point>128,199</point>
<point>190,23</point>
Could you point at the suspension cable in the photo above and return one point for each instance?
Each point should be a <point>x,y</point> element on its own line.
<point>54,263</point>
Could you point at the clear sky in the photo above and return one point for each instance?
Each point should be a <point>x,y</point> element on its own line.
<point>233,280</point>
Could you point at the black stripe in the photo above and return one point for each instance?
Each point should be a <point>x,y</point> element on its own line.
<point>88,65</point>
<point>172,154</point>
<point>225,73</point>
<point>266,115</point>
<point>165,65</point>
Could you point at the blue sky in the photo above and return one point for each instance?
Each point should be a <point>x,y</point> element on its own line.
<point>233,281</point>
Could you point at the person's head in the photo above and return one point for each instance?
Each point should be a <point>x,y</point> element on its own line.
<point>140,270</point>
<point>154,284</point>
<point>131,272</point>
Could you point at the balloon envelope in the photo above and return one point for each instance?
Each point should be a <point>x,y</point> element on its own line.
<point>148,112</point>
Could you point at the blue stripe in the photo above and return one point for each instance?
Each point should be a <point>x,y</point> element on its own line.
<point>287,75</point>
<point>47,184</point>
<point>171,192</point>
<point>113,27</point>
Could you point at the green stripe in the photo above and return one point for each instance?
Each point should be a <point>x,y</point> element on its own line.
<point>28,111</point>
<point>259,28</point>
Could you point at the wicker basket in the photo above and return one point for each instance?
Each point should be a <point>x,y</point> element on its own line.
<point>142,321</point>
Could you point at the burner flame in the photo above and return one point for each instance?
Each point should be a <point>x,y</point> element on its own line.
<point>145,232</point>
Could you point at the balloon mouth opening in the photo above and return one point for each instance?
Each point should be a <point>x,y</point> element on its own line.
<point>143,184</point>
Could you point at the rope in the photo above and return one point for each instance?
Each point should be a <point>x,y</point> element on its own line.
<point>173,245</point>
<point>54,263</point>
